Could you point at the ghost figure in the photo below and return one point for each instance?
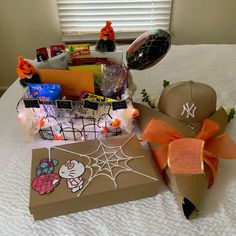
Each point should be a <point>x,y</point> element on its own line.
<point>72,171</point>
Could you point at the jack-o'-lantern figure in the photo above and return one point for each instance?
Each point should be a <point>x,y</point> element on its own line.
<point>116,123</point>
<point>107,32</point>
<point>24,68</point>
<point>135,113</point>
<point>26,72</point>
<point>106,42</point>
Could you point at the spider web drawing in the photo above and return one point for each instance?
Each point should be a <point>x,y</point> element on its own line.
<point>106,163</point>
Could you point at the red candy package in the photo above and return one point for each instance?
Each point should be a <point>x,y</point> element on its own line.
<point>42,54</point>
<point>56,50</point>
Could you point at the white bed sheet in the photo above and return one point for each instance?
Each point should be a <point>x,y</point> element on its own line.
<point>159,215</point>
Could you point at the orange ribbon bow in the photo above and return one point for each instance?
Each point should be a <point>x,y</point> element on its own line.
<point>189,155</point>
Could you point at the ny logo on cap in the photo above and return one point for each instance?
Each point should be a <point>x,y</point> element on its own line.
<point>189,110</point>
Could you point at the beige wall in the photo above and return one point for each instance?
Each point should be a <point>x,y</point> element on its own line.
<point>24,26</point>
<point>203,21</point>
<point>29,24</point>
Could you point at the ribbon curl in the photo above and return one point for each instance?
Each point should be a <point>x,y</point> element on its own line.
<point>189,155</point>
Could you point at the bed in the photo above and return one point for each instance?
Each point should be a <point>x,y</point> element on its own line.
<point>159,215</point>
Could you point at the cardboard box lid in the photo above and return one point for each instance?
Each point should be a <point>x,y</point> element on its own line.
<point>116,165</point>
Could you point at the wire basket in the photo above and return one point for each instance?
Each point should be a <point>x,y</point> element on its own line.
<point>75,120</point>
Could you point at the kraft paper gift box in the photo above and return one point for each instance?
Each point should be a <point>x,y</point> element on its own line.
<point>187,138</point>
<point>86,175</point>
<point>189,190</point>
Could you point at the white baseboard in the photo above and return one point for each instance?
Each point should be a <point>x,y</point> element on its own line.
<point>2,90</point>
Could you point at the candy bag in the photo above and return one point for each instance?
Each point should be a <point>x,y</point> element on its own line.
<point>45,92</point>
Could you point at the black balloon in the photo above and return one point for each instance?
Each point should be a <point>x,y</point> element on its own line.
<point>148,49</point>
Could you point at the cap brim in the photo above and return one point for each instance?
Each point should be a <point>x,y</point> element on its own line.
<point>190,129</point>
<point>147,113</point>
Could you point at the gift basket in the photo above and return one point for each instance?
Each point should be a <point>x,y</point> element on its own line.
<point>74,95</point>
<point>82,98</point>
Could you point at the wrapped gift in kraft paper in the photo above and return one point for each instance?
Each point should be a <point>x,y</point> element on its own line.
<point>186,135</point>
<point>86,175</point>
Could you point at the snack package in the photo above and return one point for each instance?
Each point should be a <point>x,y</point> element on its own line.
<point>56,50</point>
<point>96,98</point>
<point>41,54</point>
<point>114,80</point>
<point>78,50</point>
<point>90,61</point>
<point>58,62</point>
<point>45,92</point>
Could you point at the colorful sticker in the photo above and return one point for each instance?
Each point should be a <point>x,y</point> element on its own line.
<point>45,183</point>
<point>46,166</point>
<point>72,171</point>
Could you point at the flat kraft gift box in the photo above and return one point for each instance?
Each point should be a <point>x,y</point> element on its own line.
<point>86,175</point>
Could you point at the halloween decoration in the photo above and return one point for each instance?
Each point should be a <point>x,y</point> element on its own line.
<point>106,42</point>
<point>116,123</point>
<point>148,49</point>
<point>135,112</point>
<point>26,72</point>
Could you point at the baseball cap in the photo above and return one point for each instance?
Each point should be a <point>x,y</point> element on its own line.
<point>188,101</point>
